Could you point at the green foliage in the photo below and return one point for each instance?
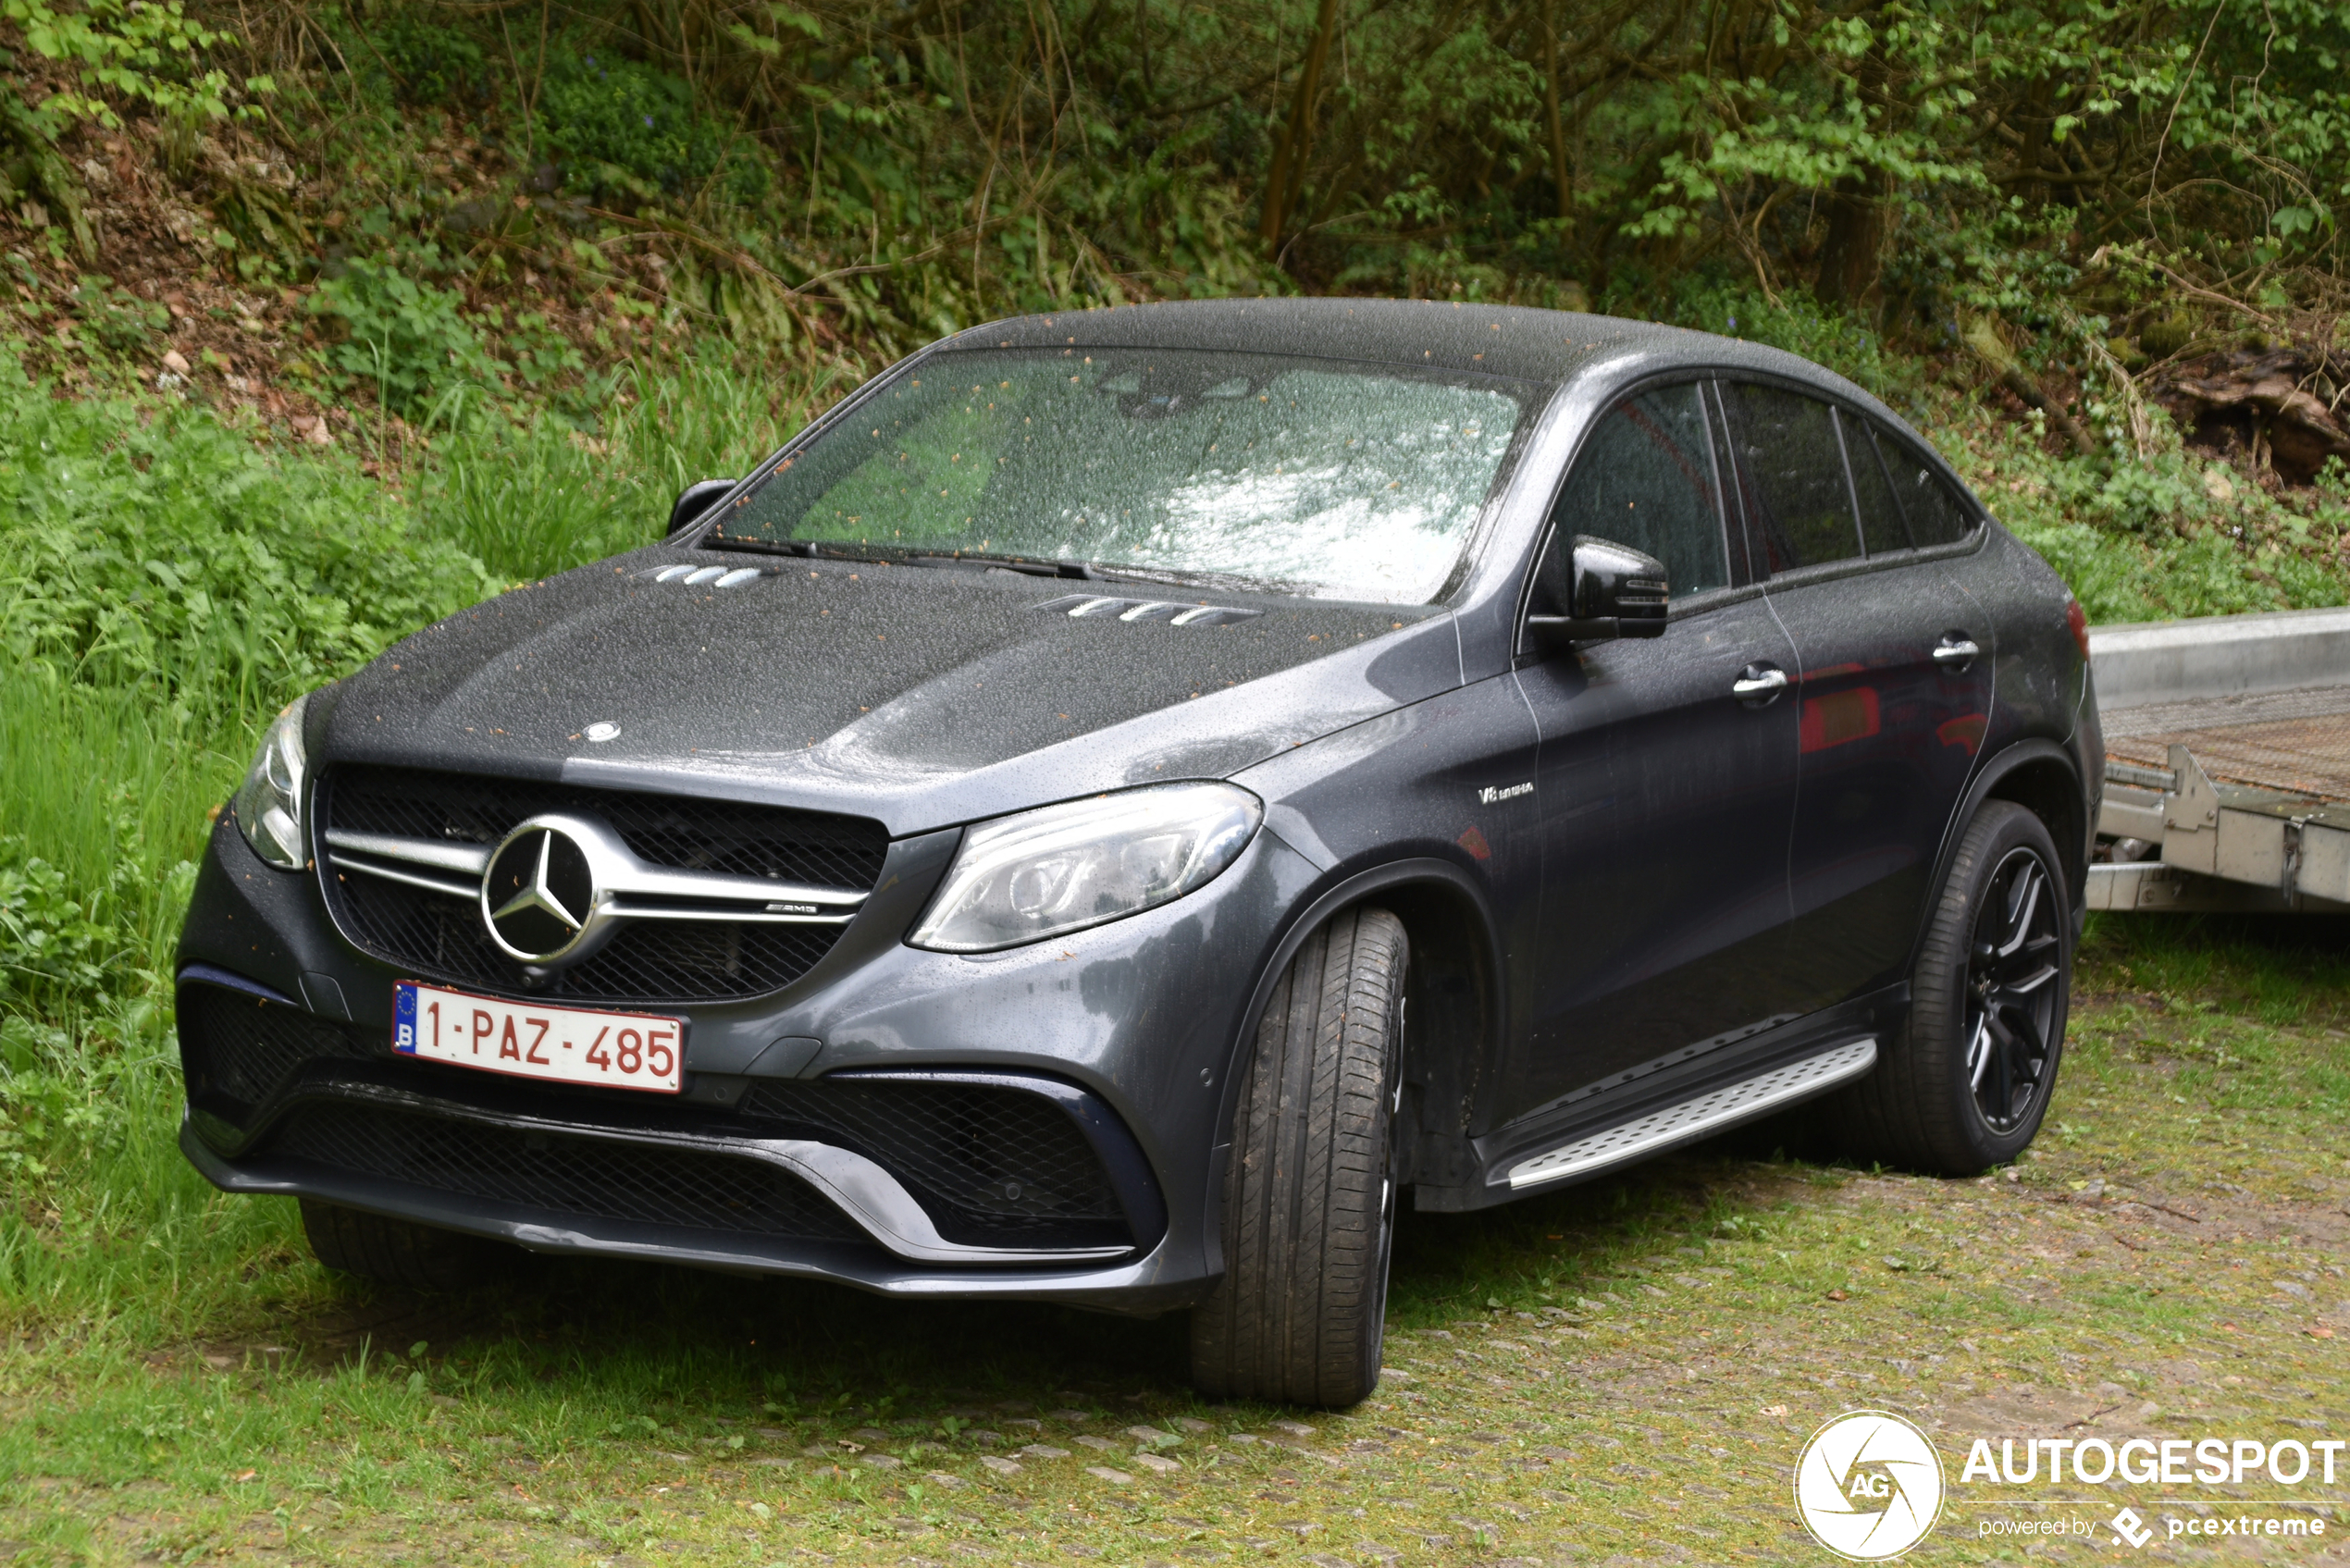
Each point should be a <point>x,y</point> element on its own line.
<point>1794,322</point>
<point>50,942</point>
<point>148,51</point>
<point>617,122</point>
<point>31,167</point>
<point>166,588</point>
<point>116,319</point>
<point>403,338</point>
<point>531,497</point>
<point>423,61</point>
<point>158,551</point>
<point>2165,536</point>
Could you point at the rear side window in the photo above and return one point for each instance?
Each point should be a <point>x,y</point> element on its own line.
<point>1934,514</point>
<point>1791,468</point>
<point>1645,479</point>
<point>1883,526</point>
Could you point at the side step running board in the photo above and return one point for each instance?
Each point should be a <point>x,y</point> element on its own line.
<point>1693,1119</point>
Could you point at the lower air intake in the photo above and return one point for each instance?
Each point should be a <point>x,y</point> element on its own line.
<point>993,1167</point>
<point>559,1174</point>
<point>237,1050</point>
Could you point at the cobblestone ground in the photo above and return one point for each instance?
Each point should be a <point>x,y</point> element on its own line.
<point>1623,1373</point>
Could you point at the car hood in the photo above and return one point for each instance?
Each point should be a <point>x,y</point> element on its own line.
<point>921,697</point>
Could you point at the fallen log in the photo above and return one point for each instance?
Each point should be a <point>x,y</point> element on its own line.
<point>2265,399</point>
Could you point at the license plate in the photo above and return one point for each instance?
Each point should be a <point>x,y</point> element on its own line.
<point>564,1045</point>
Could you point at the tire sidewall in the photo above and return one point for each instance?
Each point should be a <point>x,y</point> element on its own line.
<point>1999,830</point>
<point>1392,1164</point>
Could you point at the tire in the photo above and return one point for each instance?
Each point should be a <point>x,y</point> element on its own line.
<point>1964,1085</point>
<point>1309,1191</point>
<point>399,1251</point>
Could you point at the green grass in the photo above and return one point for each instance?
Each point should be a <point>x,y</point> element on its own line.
<point>530,496</point>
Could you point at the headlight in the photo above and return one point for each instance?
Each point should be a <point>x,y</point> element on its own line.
<point>268,804</point>
<point>1063,868</point>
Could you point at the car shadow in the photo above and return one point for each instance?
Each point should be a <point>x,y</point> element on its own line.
<point>627,1330</point>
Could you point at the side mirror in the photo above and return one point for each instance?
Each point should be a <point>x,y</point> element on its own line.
<point>1608,590</point>
<point>695,500</point>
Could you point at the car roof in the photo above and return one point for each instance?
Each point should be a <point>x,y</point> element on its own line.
<point>1548,346</point>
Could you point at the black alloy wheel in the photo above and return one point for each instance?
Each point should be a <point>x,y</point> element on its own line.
<point>2011,991</point>
<point>1963,1083</point>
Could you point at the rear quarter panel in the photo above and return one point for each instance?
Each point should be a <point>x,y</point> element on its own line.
<point>2039,673</point>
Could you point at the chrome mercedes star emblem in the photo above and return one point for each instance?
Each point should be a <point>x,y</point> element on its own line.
<point>539,894</point>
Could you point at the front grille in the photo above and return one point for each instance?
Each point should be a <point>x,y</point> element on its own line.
<point>439,937</point>
<point>994,1167</point>
<point>560,1174</point>
<point>237,1050</point>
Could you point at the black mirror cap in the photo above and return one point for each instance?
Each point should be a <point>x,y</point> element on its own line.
<point>1616,592</point>
<point>695,500</point>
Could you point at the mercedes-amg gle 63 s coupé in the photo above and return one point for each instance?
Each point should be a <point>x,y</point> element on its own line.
<point>1127,797</point>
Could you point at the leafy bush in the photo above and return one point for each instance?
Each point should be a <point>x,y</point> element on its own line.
<point>606,115</point>
<point>531,497</point>
<point>149,50</point>
<point>1794,322</point>
<point>422,61</point>
<point>157,549</point>
<point>51,942</point>
<point>404,339</point>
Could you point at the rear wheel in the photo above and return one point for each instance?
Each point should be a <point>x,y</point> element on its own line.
<point>1965,1084</point>
<point>399,1251</point>
<point>1309,1192</point>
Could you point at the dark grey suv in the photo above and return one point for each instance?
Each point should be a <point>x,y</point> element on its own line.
<point>1126,796</point>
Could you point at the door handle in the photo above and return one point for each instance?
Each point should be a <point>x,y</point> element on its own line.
<point>1758,686</point>
<point>1956,652</point>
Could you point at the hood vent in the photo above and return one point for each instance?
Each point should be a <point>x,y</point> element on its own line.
<point>1093,607</point>
<point>696,576</point>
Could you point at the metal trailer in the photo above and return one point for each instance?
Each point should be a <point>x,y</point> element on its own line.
<point>2227,780</point>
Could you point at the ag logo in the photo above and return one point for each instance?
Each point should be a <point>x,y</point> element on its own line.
<point>1868,1486</point>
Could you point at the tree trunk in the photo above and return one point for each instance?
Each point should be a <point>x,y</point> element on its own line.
<point>1558,131</point>
<point>1853,255</point>
<point>1289,159</point>
<point>1848,262</point>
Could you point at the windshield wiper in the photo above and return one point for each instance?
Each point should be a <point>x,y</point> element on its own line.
<point>1081,570</point>
<point>815,549</point>
<point>980,561</point>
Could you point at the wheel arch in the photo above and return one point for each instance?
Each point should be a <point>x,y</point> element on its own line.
<point>1455,954</point>
<point>2045,779</point>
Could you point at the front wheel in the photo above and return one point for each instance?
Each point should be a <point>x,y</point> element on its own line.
<point>1310,1189</point>
<point>1964,1085</point>
<point>399,1251</point>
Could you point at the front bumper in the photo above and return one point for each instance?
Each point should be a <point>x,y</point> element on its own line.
<point>1128,1031</point>
<point>1132,1284</point>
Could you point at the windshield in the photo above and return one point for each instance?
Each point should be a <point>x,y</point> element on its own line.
<point>1322,478</point>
